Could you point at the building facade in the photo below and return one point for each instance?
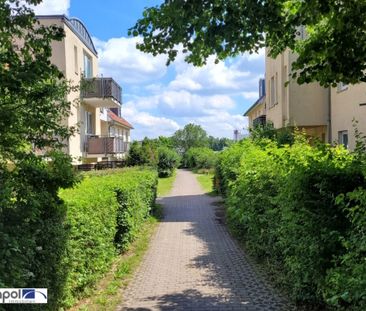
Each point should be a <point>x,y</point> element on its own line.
<point>257,112</point>
<point>306,106</point>
<point>348,105</point>
<point>98,100</point>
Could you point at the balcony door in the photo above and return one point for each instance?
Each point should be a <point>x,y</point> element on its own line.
<point>88,66</point>
<point>89,128</point>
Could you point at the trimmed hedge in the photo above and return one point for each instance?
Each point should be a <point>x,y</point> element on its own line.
<point>301,209</point>
<point>104,213</point>
<point>200,158</point>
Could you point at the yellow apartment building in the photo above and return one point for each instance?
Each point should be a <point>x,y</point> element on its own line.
<point>348,104</point>
<point>95,102</point>
<point>257,112</point>
<point>306,106</point>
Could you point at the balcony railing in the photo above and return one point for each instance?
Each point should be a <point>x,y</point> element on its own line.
<point>260,121</point>
<point>105,145</point>
<point>101,92</point>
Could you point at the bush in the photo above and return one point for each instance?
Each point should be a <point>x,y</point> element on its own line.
<point>33,236</point>
<point>168,160</point>
<point>281,202</point>
<point>104,213</point>
<point>200,158</point>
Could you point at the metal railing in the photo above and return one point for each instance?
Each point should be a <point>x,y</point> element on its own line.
<point>101,88</point>
<point>106,145</point>
<point>260,121</point>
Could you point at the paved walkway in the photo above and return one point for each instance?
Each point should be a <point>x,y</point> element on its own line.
<point>193,263</point>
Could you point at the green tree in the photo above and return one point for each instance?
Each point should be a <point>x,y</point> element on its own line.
<point>332,51</point>
<point>191,135</point>
<point>218,144</point>
<point>33,104</point>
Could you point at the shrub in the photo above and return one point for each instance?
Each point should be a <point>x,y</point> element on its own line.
<point>104,213</point>
<point>168,160</point>
<point>281,203</point>
<point>33,236</point>
<point>200,158</point>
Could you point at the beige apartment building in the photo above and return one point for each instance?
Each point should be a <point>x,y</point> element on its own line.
<point>348,103</point>
<point>306,107</point>
<point>257,112</point>
<point>103,133</point>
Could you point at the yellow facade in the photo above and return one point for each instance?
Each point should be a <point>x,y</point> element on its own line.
<point>348,104</point>
<point>290,104</point>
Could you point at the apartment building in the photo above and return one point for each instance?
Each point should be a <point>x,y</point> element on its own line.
<point>103,133</point>
<point>306,106</point>
<point>257,112</point>
<point>348,103</point>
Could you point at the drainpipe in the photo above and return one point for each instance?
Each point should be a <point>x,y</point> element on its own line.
<point>330,114</point>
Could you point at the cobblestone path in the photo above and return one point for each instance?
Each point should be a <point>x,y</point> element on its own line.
<point>193,263</point>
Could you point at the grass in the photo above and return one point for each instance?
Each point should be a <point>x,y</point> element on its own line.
<point>165,185</point>
<point>107,294</point>
<point>206,182</point>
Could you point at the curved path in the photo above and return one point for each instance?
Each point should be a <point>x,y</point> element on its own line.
<point>193,263</point>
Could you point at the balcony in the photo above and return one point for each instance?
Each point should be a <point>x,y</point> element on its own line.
<point>99,145</point>
<point>260,121</point>
<point>101,93</point>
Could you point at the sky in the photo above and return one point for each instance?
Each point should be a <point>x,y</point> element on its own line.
<point>158,100</point>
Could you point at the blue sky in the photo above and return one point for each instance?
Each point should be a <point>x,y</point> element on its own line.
<point>157,99</point>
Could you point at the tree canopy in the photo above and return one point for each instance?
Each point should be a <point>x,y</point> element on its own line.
<point>33,92</point>
<point>191,135</point>
<point>333,50</point>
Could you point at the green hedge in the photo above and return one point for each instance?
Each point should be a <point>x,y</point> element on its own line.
<point>168,161</point>
<point>200,158</point>
<point>104,213</point>
<point>66,240</point>
<point>301,209</point>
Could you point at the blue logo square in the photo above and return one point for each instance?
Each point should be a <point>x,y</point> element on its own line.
<point>29,293</point>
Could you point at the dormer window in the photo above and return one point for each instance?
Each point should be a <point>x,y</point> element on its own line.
<point>342,87</point>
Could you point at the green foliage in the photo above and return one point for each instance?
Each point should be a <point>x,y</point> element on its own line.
<point>104,213</point>
<point>331,52</point>
<point>168,161</point>
<point>190,136</point>
<point>282,204</point>
<point>282,136</point>
<point>218,144</point>
<point>33,106</point>
<point>200,158</point>
<point>33,237</point>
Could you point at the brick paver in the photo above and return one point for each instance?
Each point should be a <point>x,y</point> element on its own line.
<point>193,263</point>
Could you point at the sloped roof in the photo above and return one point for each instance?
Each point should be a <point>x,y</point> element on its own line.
<point>258,102</point>
<point>119,120</point>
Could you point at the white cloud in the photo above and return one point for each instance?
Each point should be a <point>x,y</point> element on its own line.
<point>146,124</point>
<point>250,95</point>
<point>182,103</point>
<point>49,7</point>
<point>118,57</point>
<point>219,77</point>
<point>220,123</point>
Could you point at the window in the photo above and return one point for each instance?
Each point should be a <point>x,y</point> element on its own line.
<point>276,89</point>
<point>343,138</point>
<point>88,66</point>
<point>76,63</point>
<point>89,122</point>
<point>342,87</point>
<point>272,87</point>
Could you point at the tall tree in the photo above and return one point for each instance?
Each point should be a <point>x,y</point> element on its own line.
<point>191,135</point>
<point>33,92</point>
<point>33,104</point>
<point>333,50</point>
